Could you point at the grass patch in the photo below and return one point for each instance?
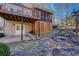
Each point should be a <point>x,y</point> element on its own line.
<point>4,50</point>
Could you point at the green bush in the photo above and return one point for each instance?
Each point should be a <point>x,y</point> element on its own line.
<point>4,50</point>
<point>2,35</point>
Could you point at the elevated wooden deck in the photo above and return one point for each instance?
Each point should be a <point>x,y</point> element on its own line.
<point>16,17</point>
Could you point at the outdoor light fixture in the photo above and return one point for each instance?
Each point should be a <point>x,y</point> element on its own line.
<point>74,12</point>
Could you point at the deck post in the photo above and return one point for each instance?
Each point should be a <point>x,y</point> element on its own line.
<point>39,28</point>
<point>22,27</point>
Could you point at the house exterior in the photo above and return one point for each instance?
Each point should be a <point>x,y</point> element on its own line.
<point>35,18</point>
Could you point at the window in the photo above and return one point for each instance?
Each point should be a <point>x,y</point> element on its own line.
<point>1,5</point>
<point>19,11</point>
<point>28,12</point>
<point>50,18</point>
<point>33,12</point>
<point>41,15</point>
<point>11,9</point>
<point>17,27</point>
<point>37,13</point>
<point>19,4</point>
<point>46,16</point>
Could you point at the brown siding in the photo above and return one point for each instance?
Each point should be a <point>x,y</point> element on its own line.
<point>33,27</point>
<point>44,27</point>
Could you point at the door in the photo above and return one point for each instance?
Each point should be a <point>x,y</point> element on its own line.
<point>18,29</point>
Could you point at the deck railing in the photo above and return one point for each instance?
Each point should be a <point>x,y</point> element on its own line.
<point>18,10</point>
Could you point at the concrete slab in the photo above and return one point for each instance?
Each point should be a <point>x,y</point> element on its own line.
<point>13,39</point>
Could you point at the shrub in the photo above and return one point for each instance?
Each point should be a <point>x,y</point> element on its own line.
<point>4,50</point>
<point>2,35</point>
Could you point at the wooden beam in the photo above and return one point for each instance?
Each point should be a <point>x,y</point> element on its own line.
<point>15,17</point>
<point>3,16</point>
<point>10,16</point>
<point>7,17</point>
<point>24,19</point>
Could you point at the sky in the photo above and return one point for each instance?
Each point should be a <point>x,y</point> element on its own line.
<point>58,17</point>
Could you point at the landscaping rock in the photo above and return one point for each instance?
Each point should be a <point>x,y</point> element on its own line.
<point>58,43</point>
<point>56,52</point>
